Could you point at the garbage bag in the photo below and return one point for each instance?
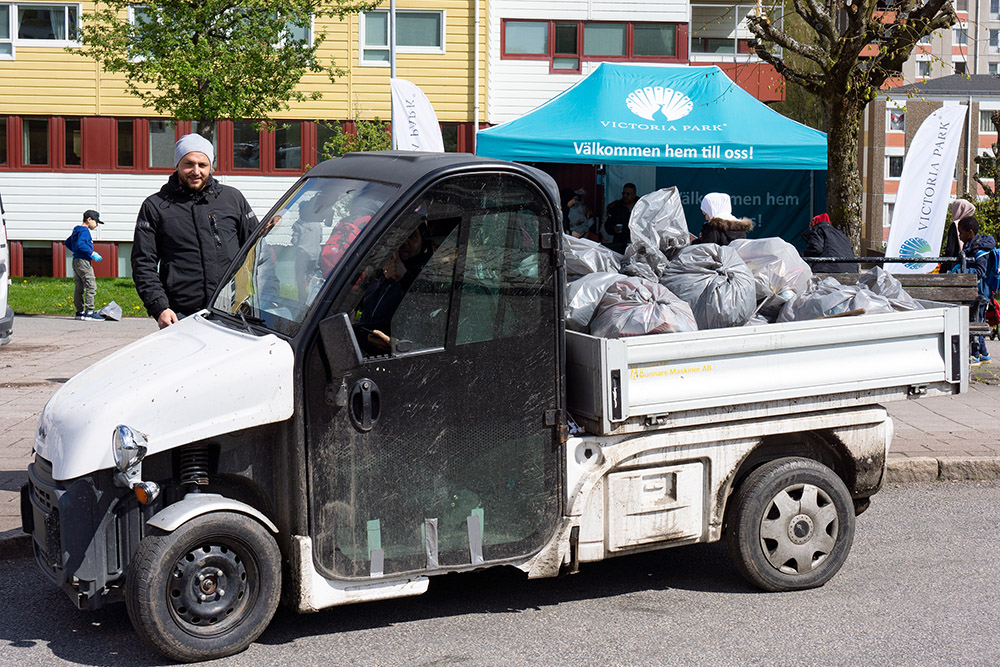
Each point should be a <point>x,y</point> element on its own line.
<point>634,306</point>
<point>112,311</point>
<point>584,295</point>
<point>715,282</point>
<point>825,297</point>
<point>658,230</point>
<point>778,271</point>
<point>880,281</point>
<point>584,256</point>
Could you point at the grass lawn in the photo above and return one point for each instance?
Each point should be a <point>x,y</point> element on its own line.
<point>54,296</point>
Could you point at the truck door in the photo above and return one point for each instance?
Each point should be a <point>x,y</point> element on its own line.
<point>440,451</point>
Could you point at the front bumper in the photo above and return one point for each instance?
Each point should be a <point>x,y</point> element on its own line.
<point>83,532</point>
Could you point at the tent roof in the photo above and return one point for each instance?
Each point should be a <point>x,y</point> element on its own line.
<point>658,115</point>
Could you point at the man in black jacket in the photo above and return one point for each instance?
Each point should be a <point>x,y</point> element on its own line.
<point>825,240</point>
<point>193,227</point>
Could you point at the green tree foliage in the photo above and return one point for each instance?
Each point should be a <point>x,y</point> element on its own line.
<point>849,50</point>
<point>988,211</point>
<point>368,135</point>
<point>208,60</point>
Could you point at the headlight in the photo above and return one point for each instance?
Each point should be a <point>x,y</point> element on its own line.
<point>128,446</point>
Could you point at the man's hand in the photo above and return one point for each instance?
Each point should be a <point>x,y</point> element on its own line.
<point>394,269</point>
<point>96,257</point>
<point>380,341</point>
<point>166,318</point>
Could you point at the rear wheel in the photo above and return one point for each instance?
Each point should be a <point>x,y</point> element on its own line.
<point>790,525</point>
<point>205,590</point>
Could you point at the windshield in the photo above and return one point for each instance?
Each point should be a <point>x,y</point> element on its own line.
<point>298,248</point>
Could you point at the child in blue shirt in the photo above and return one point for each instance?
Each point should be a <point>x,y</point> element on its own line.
<point>82,245</point>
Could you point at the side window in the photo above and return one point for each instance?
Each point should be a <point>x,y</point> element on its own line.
<point>470,249</point>
<point>505,272</point>
<point>405,285</point>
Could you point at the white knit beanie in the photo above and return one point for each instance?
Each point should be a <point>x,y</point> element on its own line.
<point>193,143</point>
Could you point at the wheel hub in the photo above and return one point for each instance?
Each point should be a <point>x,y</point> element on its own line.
<point>800,529</point>
<point>207,585</point>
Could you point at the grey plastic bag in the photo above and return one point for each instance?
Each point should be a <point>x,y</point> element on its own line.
<point>778,271</point>
<point>112,311</point>
<point>826,297</point>
<point>715,282</point>
<point>584,256</point>
<point>658,230</point>
<point>635,306</point>
<point>880,281</point>
<point>583,295</point>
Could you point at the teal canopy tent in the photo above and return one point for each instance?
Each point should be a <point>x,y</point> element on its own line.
<point>657,115</point>
<point>672,118</point>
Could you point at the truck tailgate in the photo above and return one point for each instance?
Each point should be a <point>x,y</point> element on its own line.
<point>638,383</point>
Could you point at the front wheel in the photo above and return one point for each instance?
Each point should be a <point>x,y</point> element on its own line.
<point>206,590</point>
<point>790,525</point>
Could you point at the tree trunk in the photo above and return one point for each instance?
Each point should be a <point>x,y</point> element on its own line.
<point>842,117</point>
<point>206,128</point>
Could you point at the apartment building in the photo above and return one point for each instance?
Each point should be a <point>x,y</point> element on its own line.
<point>71,138</point>
<point>891,121</point>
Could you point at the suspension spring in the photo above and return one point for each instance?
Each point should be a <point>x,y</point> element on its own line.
<point>194,462</point>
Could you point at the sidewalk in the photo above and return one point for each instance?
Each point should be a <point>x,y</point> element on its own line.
<point>953,437</point>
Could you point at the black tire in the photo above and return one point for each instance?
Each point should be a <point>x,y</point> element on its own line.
<point>207,590</point>
<point>790,525</point>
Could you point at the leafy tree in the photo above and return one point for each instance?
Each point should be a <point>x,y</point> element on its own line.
<point>208,60</point>
<point>988,211</point>
<point>852,47</point>
<point>368,135</point>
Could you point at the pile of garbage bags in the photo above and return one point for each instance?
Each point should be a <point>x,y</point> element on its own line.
<point>663,284</point>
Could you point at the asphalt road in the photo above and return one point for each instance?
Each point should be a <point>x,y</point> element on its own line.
<point>919,588</point>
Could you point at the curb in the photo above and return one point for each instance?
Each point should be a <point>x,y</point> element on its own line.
<point>946,468</point>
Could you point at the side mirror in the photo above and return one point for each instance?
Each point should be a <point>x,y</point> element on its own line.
<point>340,345</point>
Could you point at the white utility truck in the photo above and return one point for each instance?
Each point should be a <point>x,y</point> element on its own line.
<point>380,392</point>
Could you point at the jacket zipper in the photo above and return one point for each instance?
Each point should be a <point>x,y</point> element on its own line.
<point>215,230</point>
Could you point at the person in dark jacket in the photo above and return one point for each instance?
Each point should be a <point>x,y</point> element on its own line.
<point>975,249</point>
<point>618,214</point>
<point>721,226</point>
<point>193,228</point>
<point>825,240</point>
<point>960,208</point>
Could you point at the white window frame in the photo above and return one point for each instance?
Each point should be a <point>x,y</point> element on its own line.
<point>921,61</point>
<point>893,155</point>
<point>50,43</point>
<point>993,68</point>
<point>993,43</point>
<point>11,31</point>
<point>888,119</point>
<point>960,30</point>
<point>362,46</point>
<point>984,152</point>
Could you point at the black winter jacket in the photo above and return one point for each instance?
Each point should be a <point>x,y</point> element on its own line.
<point>194,236</point>
<point>724,230</point>
<point>825,240</point>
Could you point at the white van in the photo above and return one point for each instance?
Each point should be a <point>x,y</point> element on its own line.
<point>6,314</point>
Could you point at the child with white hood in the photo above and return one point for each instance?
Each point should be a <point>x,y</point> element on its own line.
<point>721,226</point>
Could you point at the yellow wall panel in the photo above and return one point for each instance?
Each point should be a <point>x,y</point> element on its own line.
<point>52,81</point>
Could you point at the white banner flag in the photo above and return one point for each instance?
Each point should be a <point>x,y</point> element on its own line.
<point>414,123</point>
<point>924,190</point>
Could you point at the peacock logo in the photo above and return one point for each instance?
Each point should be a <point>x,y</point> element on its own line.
<point>645,102</point>
<point>915,246</point>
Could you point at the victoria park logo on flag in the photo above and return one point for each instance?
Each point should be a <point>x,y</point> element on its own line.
<point>645,102</point>
<point>915,246</point>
